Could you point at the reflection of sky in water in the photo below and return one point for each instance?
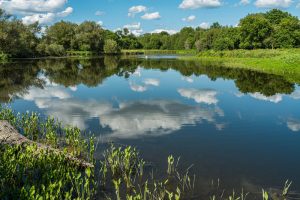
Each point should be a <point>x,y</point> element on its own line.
<point>153,103</point>
<point>128,118</point>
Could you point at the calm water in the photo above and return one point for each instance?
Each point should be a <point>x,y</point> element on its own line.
<point>239,126</point>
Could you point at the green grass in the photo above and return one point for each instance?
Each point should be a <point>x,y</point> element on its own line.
<point>283,62</point>
<point>157,51</point>
<point>82,53</point>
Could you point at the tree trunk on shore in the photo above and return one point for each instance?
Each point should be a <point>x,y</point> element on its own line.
<point>10,136</point>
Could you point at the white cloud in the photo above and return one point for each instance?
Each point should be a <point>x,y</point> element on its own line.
<point>65,13</point>
<point>194,4</point>
<point>204,25</point>
<point>170,31</point>
<point>42,11</point>
<point>99,13</point>
<point>32,6</point>
<point>274,99</point>
<point>137,32</point>
<point>47,17</point>
<point>244,2</point>
<point>207,96</point>
<point>151,16</point>
<point>189,18</point>
<point>293,124</point>
<point>136,9</point>
<point>133,26</point>
<point>41,18</point>
<point>152,81</point>
<point>100,23</point>
<point>273,3</point>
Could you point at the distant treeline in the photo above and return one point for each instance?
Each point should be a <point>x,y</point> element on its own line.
<point>273,29</point>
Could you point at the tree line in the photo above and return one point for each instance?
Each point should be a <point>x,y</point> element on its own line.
<point>273,29</point>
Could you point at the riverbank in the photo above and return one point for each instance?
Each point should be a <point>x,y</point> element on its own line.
<point>283,62</point>
<point>157,51</point>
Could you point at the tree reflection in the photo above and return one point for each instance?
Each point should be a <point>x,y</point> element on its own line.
<point>19,76</point>
<point>17,79</point>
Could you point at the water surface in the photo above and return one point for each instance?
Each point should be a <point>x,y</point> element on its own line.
<point>239,126</point>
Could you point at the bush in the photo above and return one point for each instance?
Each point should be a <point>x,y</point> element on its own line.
<point>55,50</point>
<point>111,47</point>
<point>3,56</point>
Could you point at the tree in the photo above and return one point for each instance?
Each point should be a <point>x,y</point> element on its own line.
<point>255,29</point>
<point>199,45</point>
<point>61,33</point>
<point>89,36</point>
<point>287,33</point>
<point>275,16</point>
<point>17,39</point>
<point>111,47</point>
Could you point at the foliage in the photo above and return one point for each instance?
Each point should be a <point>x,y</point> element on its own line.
<point>17,39</point>
<point>273,29</point>
<point>111,47</point>
<point>26,174</point>
<point>3,56</point>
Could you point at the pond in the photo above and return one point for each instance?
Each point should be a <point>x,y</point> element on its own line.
<point>239,128</point>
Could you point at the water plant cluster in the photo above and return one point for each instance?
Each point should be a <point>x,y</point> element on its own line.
<point>30,172</point>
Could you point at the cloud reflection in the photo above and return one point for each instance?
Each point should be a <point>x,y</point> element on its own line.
<point>137,88</point>
<point>155,117</point>
<point>130,119</point>
<point>207,96</point>
<point>293,124</point>
<point>274,99</point>
<point>152,81</point>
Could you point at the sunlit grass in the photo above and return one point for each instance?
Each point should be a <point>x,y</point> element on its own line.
<point>284,62</point>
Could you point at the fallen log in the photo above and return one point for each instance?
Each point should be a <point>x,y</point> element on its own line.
<point>9,135</point>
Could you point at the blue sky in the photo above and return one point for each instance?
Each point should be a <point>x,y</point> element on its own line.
<point>142,16</point>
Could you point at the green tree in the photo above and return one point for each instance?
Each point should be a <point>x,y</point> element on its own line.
<point>255,29</point>
<point>111,47</point>
<point>61,33</point>
<point>89,36</point>
<point>17,39</point>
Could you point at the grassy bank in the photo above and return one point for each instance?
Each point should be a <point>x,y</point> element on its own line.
<point>121,173</point>
<point>156,51</point>
<point>284,62</point>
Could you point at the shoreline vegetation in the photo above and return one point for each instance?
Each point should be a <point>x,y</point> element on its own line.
<point>274,29</point>
<point>28,172</point>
